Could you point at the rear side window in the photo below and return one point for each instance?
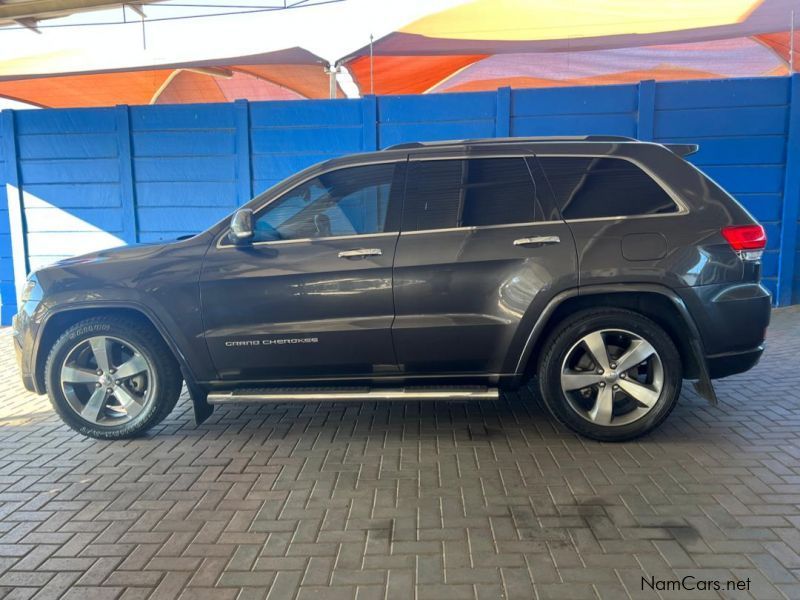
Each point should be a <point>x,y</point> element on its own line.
<point>468,193</point>
<point>594,187</point>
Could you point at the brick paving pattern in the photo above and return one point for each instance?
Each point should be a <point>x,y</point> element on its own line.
<point>406,500</point>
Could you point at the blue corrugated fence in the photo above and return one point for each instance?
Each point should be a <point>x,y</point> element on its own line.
<point>77,180</point>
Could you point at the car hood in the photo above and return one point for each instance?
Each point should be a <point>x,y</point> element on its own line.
<point>132,252</point>
<point>139,269</point>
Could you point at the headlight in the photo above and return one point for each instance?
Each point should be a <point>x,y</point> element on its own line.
<point>30,285</point>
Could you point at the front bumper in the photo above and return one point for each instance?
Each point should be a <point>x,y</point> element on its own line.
<point>21,333</point>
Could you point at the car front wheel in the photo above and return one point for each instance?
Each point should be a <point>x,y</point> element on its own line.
<point>110,378</point>
<point>610,374</point>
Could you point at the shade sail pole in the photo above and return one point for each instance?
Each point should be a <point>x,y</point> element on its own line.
<point>372,65</point>
<point>332,71</point>
<point>791,46</point>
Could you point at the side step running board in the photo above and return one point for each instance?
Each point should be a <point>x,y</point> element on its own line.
<point>355,394</point>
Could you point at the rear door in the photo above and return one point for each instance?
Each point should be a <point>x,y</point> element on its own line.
<point>479,256</point>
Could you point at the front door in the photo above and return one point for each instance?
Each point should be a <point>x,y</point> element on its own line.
<point>312,296</point>
<point>479,255</point>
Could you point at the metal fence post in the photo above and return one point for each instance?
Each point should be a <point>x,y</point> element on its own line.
<point>244,179</point>
<point>369,123</point>
<point>502,123</point>
<point>16,215</point>
<point>130,225</point>
<point>791,200</point>
<point>645,129</point>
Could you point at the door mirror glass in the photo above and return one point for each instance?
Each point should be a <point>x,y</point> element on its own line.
<point>241,232</point>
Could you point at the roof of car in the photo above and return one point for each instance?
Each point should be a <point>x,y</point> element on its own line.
<point>580,144</point>
<point>576,142</point>
<point>511,140</point>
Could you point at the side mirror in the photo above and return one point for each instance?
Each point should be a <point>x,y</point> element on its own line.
<point>241,232</point>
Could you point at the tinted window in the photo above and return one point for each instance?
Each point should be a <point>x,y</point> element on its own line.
<point>468,193</point>
<point>433,194</point>
<point>589,188</point>
<point>348,201</point>
<point>498,191</point>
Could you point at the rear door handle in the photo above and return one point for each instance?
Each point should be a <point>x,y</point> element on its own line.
<point>541,240</point>
<point>360,253</point>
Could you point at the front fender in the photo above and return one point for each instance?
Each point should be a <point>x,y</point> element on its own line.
<point>190,356</point>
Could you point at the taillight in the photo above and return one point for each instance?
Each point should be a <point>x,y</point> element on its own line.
<point>748,241</point>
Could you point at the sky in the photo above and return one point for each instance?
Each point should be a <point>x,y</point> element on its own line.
<point>330,30</point>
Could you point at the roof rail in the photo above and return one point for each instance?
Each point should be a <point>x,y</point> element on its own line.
<point>513,140</point>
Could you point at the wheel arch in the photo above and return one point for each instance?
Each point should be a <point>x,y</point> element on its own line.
<point>60,320</point>
<point>655,302</point>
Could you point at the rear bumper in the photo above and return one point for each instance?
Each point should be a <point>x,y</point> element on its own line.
<point>732,321</point>
<point>723,365</point>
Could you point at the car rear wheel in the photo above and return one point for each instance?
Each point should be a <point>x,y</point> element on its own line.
<point>110,378</point>
<point>610,374</point>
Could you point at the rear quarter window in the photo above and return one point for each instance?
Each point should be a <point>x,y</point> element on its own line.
<point>599,187</point>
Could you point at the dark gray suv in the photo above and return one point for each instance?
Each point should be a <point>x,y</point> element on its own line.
<point>607,269</point>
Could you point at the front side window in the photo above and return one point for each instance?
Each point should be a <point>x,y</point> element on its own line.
<point>348,201</point>
<point>475,192</point>
<point>598,187</point>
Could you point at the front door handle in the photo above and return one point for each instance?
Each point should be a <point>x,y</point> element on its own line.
<point>360,253</point>
<point>541,240</point>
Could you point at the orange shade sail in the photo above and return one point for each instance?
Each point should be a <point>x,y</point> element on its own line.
<point>105,89</point>
<point>781,43</point>
<point>257,77</point>
<point>406,74</point>
<point>486,44</point>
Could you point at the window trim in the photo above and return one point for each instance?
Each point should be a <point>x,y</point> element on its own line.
<point>476,156</point>
<point>256,211</point>
<point>481,227</point>
<point>683,209</point>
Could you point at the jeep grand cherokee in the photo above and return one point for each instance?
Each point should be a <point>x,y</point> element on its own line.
<point>605,269</point>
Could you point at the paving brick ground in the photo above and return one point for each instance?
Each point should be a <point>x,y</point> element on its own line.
<point>385,501</point>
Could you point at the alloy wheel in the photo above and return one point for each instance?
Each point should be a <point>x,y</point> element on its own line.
<point>106,380</point>
<point>612,377</point>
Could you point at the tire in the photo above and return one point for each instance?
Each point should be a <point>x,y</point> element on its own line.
<point>106,407</point>
<point>569,362</point>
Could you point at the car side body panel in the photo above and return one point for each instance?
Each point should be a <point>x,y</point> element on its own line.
<point>677,250</point>
<point>159,281</point>
<point>464,299</point>
<point>277,311</point>
<point>465,303</point>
